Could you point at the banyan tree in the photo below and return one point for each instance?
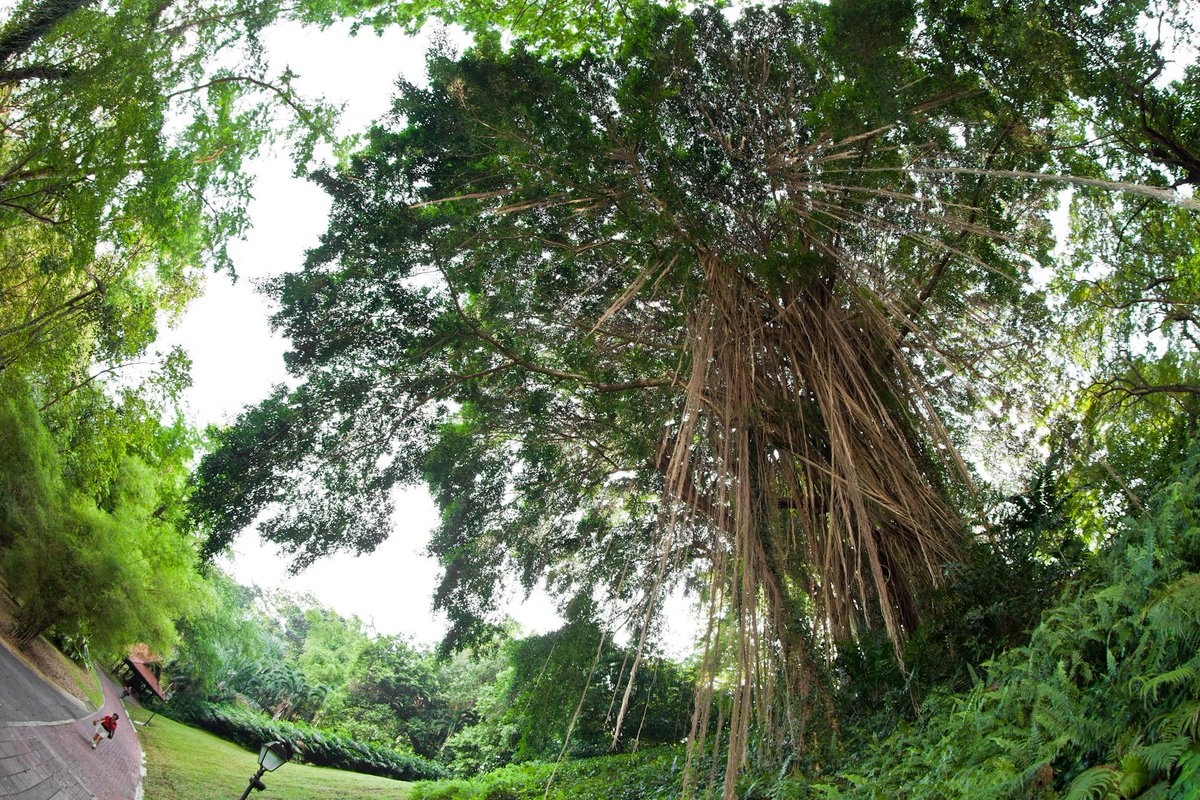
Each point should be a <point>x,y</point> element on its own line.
<point>714,307</point>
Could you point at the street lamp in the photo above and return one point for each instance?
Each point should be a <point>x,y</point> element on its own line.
<point>271,756</point>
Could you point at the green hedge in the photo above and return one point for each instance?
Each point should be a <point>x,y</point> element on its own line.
<point>318,747</point>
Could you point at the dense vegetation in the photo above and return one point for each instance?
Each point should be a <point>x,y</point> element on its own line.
<point>253,668</point>
<point>871,323</point>
<point>183,763</point>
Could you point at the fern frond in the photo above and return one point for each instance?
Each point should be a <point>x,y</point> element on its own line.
<point>1094,784</point>
<point>1134,775</point>
<point>1180,676</point>
<point>1156,792</point>
<point>1183,720</point>
<point>1176,610</point>
<point>1161,757</point>
<point>1186,785</point>
<point>1008,746</point>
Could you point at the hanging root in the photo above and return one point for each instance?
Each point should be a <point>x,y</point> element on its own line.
<point>814,487</point>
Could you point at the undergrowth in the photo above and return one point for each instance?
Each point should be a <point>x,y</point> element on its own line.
<point>1102,700</point>
<point>647,775</point>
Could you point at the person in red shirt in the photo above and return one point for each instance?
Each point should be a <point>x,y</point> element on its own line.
<point>104,725</point>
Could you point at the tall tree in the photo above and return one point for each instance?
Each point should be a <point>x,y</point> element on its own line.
<point>117,571</point>
<point>682,306</point>
<point>719,304</point>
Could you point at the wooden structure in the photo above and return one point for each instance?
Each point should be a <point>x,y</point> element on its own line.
<point>141,670</point>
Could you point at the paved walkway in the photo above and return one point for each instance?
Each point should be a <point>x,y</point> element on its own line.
<point>45,742</point>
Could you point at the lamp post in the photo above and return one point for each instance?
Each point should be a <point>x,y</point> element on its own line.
<point>271,756</point>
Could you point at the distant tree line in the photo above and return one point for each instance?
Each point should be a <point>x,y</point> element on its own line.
<point>516,699</point>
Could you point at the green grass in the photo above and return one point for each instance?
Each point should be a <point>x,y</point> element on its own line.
<point>185,763</point>
<point>87,682</point>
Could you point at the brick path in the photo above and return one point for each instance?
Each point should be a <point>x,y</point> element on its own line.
<point>55,761</point>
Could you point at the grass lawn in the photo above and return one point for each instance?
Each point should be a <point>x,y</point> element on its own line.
<point>88,683</point>
<point>185,763</point>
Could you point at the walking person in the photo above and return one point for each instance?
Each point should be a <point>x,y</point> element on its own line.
<point>104,725</point>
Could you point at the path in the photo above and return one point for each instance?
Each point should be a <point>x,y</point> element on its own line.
<point>45,742</point>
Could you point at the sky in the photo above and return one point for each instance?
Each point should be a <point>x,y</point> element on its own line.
<point>236,358</point>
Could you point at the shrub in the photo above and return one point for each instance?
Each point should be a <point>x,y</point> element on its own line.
<point>251,729</point>
<point>652,774</point>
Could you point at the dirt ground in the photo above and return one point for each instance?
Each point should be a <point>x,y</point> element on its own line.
<point>41,655</point>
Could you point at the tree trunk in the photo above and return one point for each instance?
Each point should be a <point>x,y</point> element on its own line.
<point>29,630</point>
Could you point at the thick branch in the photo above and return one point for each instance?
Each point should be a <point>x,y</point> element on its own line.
<point>280,92</point>
<point>85,382</point>
<point>41,72</point>
<point>1144,389</point>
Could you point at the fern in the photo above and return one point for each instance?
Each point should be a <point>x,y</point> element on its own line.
<point>1183,720</point>
<point>1134,775</point>
<point>1182,676</point>
<point>1177,609</point>
<point>1095,784</point>
<point>1161,757</point>
<point>1157,792</point>
<point>1105,690</point>
<point>1187,782</point>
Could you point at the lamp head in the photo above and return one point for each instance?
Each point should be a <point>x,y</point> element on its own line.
<point>273,755</point>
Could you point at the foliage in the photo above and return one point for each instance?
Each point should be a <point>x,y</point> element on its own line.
<point>72,645</point>
<point>1099,700</point>
<point>1102,700</point>
<point>317,747</point>
<point>566,26</point>
<point>216,640</point>
<point>1011,573</point>
<point>120,571</point>
<point>1112,85</point>
<point>558,696</point>
<point>1099,61</point>
<point>90,146</point>
<point>651,774</point>
<point>393,696</point>
<point>1015,569</point>
<point>232,649</point>
<point>332,645</point>
<point>564,694</point>
<point>125,129</point>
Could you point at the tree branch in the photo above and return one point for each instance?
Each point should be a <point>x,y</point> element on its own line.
<point>44,72</point>
<point>281,93</point>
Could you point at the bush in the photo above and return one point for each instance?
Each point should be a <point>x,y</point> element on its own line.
<point>652,774</point>
<point>1102,701</point>
<point>317,747</point>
